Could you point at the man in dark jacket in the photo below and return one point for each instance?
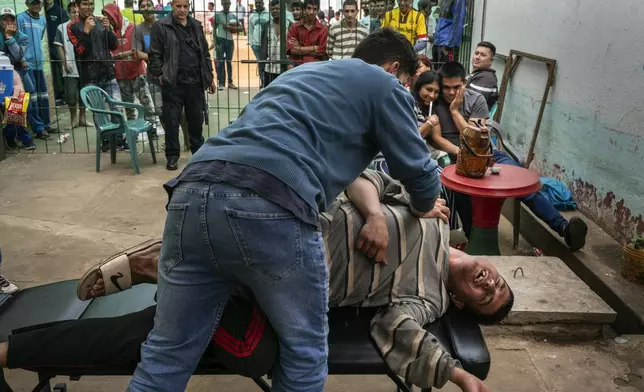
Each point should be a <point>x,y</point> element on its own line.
<point>180,61</point>
<point>93,39</point>
<point>483,78</point>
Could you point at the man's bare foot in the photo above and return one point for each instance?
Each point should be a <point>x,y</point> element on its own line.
<point>143,267</point>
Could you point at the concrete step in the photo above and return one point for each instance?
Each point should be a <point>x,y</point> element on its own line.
<point>549,299</point>
<point>598,264</point>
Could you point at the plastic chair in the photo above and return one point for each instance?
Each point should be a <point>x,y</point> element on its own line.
<point>493,110</point>
<point>111,123</point>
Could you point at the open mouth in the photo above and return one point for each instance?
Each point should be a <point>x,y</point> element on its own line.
<point>480,276</point>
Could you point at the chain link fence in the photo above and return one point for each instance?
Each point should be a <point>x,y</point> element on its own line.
<point>223,107</point>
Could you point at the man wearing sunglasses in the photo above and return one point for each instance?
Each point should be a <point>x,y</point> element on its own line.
<point>180,61</point>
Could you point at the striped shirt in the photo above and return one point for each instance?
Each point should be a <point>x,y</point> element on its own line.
<point>342,40</point>
<point>412,286</point>
<point>273,48</point>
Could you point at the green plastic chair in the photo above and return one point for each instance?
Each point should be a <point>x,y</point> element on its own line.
<point>493,110</point>
<point>111,123</point>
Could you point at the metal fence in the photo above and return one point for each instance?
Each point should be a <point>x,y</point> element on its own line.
<point>223,107</point>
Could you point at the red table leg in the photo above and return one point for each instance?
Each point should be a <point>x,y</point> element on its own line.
<point>484,239</point>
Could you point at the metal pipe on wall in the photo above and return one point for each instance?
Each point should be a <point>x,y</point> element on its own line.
<point>483,20</point>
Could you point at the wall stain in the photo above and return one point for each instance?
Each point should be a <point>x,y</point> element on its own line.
<point>610,214</point>
<point>608,200</point>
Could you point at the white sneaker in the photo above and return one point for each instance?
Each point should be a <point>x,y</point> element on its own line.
<point>7,287</point>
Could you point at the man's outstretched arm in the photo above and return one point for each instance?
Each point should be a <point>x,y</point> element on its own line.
<point>415,354</point>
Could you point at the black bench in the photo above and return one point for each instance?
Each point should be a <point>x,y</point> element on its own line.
<point>351,350</point>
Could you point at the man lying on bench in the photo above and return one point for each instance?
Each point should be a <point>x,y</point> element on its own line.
<point>413,274</point>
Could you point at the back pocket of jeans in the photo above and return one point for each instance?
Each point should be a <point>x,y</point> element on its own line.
<point>171,253</point>
<point>270,243</point>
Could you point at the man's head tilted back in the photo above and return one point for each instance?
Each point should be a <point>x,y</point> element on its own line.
<point>390,50</point>
<point>476,286</point>
<point>483,55</point>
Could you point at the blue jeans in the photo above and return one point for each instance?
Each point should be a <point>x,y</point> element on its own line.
<point>217,236</point>
<point>260,67</point>
<point>38,110</point>
<point>12,131</point>
<point>536,202</point>
<point>224,49</point>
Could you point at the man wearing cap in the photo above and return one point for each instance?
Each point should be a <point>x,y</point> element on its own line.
<point>13,45</point>
<point>33,24</point>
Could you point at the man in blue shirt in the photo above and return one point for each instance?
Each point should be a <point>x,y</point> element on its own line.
<point>13,45</point>
<point>32,24</point>
<point>245,210</point>
<point>56,15</point>
<point>225,25</point>
<point>256,22</point>
<point>449,31</point>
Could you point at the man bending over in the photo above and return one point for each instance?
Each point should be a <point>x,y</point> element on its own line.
<point>246,209</point>
<point>379,254</point>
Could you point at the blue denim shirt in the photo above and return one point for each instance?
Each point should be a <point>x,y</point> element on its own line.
<point>247,177</point>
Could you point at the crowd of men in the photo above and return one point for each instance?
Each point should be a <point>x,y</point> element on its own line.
<point>112,52</point>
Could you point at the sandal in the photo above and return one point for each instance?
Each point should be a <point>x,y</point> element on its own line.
<point>115,271</point>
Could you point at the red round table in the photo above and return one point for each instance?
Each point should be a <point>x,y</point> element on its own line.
<point>488,194</point>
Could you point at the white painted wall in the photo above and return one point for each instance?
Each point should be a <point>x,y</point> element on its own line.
<point>593,127</point>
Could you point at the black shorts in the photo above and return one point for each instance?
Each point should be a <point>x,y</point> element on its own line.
<point>244,342</point>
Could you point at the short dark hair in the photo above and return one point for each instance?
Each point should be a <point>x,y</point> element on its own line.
<point>312,2</point>
<point>488,45</point>
<point>71,5</point>
<point>422,4</point>
<point>496,317</point>
<point>425,60</point>
<point>128,3</point>
<point>297,4</point>
<point>274,3</point>
<point>348,2</point>
<point>386,45</point>
<point>321,14</point>
<point>451,69</point>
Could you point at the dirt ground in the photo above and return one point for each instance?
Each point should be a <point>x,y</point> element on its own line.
<point>58,217</point>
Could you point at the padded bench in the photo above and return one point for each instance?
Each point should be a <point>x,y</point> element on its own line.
<point>351,350</point>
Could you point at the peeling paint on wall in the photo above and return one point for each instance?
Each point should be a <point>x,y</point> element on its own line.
<point>613,216</point>
<point>602,168</point>
<point>592,134</point>
<point>603,207</point>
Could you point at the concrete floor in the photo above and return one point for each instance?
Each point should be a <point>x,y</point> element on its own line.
<point>58,217</point>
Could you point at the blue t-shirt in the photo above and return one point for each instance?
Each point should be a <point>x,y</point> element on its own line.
<point>314,137</point>
<point>55,16</point>
<point>34,29</point>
